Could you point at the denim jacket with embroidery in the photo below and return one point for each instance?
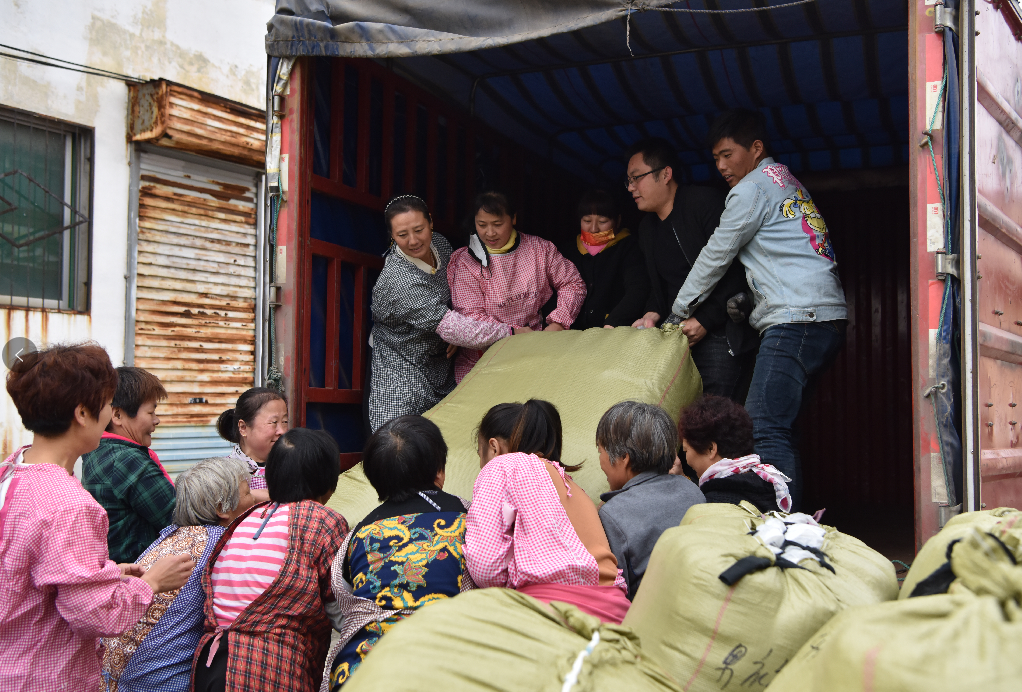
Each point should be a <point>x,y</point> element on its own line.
<point>771,224</point>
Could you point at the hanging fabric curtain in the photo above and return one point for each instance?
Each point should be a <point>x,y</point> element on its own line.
<point>395,29</point>
<point>947,399</point>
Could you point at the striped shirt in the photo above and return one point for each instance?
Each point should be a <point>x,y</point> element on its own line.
<point>247,566</point>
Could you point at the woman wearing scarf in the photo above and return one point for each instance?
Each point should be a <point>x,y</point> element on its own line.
<point>253,426</point>
<point>124,474</point>
<point>505,277</point>
<point>717,438</point>
<point>610,262</point>
<point>414,328</point>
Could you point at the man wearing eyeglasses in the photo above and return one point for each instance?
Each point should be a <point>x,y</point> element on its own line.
<point>679,222</point>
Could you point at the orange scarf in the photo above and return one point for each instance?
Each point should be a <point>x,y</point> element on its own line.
<point>596,239</point>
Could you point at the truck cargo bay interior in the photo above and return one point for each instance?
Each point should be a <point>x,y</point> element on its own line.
<point>547,117</point>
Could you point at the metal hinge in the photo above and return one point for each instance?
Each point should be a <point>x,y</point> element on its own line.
<point>944,18</point>
<point>946,264</point>
<point>946,513</point>
<point>275,290</point>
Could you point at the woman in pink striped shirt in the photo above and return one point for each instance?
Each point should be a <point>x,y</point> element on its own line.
<point>530,527</point>
<point>59,590</point>
<point>268,588</point>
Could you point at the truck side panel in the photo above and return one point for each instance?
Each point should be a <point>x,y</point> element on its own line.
<point>926,55</point>
<point>998,185</point>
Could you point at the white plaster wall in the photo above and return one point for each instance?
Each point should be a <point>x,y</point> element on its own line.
<point>212,46</point>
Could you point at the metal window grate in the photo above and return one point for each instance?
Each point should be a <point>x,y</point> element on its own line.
<point>45,185</point>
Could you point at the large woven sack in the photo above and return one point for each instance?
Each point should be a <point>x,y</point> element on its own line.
<point>934,551</point>
<point>498,640</point>
<point>967,639</point>
<point>712,635</point>
<point>581,373</point>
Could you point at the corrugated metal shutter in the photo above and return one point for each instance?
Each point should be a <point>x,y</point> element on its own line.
<point>172,115</point>
<point>195,287</point>
<point>181,446</point>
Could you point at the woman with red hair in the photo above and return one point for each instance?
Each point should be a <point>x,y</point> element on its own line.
<point>717,436</point>
<point>59,591</point>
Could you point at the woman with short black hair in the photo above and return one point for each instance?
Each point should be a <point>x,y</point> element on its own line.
<point>406,456</point>
<point>716,434</point>
<point>407,553</point>
<point>124,474</point>
<point>610,261</point>
<point>268,585</point>
<point>505,277</point>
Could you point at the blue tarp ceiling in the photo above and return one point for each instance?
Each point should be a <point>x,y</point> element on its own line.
<point>831,76</point>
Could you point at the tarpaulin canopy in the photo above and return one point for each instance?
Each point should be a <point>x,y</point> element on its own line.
<point>580,80</point>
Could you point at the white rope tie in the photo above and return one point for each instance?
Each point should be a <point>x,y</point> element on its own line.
<point>642,8</point>
<point>571,679</point>
<point>746,9</point>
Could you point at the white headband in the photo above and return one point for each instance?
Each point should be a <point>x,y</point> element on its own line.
<point>400,197</point>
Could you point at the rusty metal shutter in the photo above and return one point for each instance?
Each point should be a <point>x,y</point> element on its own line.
<point>195,287</point>
<point>175,116</point>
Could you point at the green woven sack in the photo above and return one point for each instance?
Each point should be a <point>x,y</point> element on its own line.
<point>710,635</point>
<point>498,640</point>
<point>967,639</point>
<point>581,373</point>
<point>1002,520</point>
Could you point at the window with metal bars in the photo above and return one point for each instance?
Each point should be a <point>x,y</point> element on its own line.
<point>45,212</point>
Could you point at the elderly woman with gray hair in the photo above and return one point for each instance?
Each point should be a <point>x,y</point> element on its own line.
<point>157,653</point>
<point>638,446</point>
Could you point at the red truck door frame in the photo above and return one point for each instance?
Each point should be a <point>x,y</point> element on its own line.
<point>358,135</point>
<point>989,266</point>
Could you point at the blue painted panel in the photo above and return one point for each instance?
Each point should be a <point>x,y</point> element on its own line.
<point>348,225</point>
<point>180,447</point>
<point>342,421</point>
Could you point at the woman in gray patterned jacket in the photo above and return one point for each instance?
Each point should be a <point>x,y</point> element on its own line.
<point>415,331</point>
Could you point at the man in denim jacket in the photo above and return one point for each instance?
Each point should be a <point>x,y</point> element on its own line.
<point>771,224</point>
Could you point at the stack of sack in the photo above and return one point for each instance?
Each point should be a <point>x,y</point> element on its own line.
<point>1001,522</point>
<point>730,596</point>
<point>582,373</point>
<point>498,640</point>
<point>965,635</point>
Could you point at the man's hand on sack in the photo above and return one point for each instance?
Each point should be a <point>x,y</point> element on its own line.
<point>693,330</point>
<point>647,321</point>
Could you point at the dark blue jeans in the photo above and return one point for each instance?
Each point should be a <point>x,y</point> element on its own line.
<point>723,374</point>
<point>790,357</point>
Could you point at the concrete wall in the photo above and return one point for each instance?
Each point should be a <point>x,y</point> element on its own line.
<point>212,46</point>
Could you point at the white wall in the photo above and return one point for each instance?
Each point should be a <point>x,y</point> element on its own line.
<point>212,46</point>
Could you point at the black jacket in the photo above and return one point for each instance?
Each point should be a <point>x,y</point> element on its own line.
<point>617,284</point>
<point>742,486</point>
<point>670,248</point>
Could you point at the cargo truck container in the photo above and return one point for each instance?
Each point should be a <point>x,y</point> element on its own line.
<point>901,119</point>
